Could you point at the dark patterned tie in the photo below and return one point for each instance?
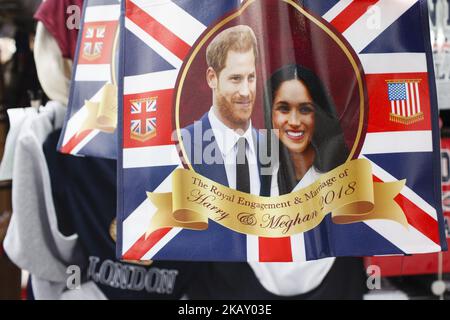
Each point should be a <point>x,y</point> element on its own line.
<point>242,169</point>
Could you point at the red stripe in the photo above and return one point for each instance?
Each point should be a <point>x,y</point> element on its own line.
<point>417,218</point>
<point>142,246</point>
<point>74,141</point>
<point>352,13</point>
<point>275,249</point>
<point>163,35</point>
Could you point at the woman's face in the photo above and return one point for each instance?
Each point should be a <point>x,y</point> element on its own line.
<point>293,116</point>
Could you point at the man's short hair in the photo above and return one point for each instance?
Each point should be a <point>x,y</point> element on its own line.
<point>239,38</point>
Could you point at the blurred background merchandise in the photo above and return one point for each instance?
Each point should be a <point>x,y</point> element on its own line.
<point>18,82</point>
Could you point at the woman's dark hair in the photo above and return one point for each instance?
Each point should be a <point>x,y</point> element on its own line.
<point>328,140</point>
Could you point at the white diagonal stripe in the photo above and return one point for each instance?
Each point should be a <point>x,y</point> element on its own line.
<point>397,142</point>
<point>375,63</point>
<point>151,157</point>
<point>336,10</point>
<point>406,191</point>
<point>102,13</point>
<point>174,18</point>
<point>137,223</point>
<point>153,43</point>
<point>93,72</point>
<point>150,82</point>
<point>85,141</point>
<point>408,240</point>
<point>362,32</point>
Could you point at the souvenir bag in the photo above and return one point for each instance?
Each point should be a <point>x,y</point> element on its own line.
<point>91,121</point>
<point>277,131</point>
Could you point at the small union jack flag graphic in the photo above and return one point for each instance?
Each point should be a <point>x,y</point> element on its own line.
<point>93,49</point>
<point>143,119</point>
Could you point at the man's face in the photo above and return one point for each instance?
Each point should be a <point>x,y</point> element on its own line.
<point>235,89</point>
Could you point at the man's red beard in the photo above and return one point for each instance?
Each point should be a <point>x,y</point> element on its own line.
<point>224,108</point>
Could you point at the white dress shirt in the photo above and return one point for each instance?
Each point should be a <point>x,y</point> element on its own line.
<point>226,139</point>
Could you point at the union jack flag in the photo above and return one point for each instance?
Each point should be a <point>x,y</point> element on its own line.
<point>94,67</point>
<point>93,49</point>
<point>164,34</point>
<point>143,122</point>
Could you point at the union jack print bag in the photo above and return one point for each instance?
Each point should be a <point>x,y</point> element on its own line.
<point>91,120</point>
<point>277,130</point>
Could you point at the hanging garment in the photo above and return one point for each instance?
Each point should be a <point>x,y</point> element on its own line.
<point>33,241</point>
<point>17,117</point>
<point>84,193</point>
<point>46,242</point>
<point>60,18</point>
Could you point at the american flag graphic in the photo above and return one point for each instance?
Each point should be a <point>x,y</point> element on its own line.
<point>94,67</point>
<point>404,96</point>
<point>394,50</point>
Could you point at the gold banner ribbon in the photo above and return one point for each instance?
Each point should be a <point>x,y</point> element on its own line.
<point>347,192</point>
<point>102,115</point>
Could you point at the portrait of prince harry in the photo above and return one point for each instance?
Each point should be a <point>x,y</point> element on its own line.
<point>227,129</point>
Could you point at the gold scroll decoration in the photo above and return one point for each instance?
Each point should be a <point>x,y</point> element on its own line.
<point>102,115</point>
<point>347,192</point>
